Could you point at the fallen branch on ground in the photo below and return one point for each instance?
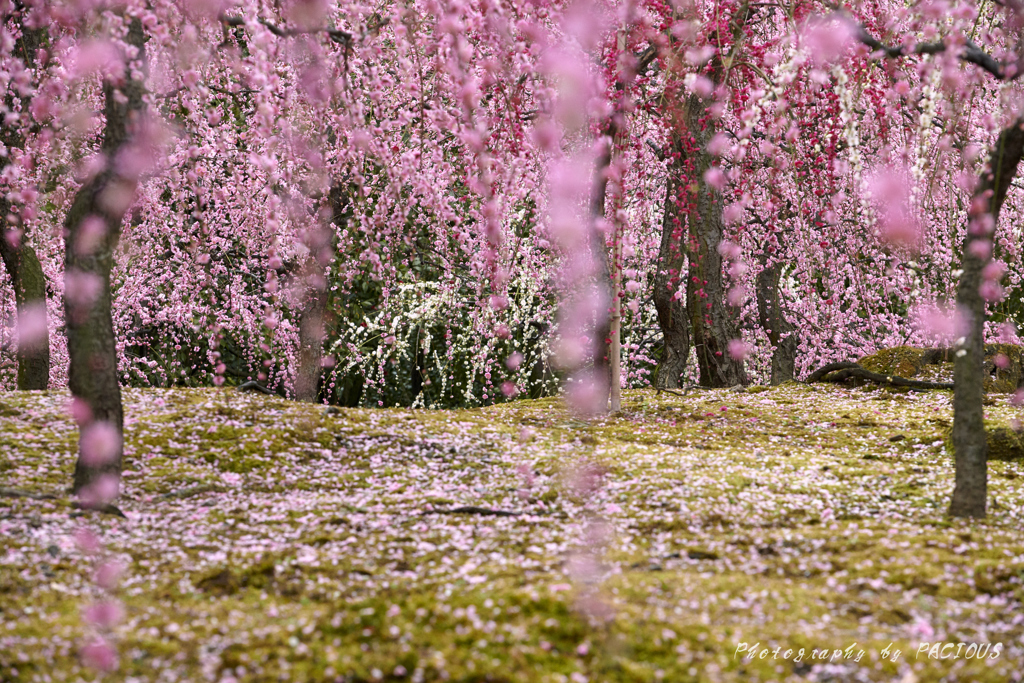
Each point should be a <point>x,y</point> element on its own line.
<point>472,510</point>
<point>18,493</point>
<point>840,372</point>
<point>255,386</point>
<point>188,492</point>
<point>686,390</point>
<point>106,509</point>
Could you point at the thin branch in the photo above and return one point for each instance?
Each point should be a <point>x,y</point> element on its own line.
<point>337,35</point>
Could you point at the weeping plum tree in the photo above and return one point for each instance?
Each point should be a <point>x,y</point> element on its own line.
<point>93,227</point>
<point>768,131</point>
<point>970,496</point>
<point>980,275</point>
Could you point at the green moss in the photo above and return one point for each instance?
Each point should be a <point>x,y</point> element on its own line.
<point>1004,443</point>
<point>788,518</point>
<point>901,361</point>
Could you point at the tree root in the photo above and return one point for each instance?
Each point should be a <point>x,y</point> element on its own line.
<point>840,372</point>
<point>106,509</point>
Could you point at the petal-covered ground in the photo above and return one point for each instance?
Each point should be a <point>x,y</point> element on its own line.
<point>693,538</point>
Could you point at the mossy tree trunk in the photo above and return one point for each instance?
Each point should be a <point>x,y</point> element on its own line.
<point>19,258</point>
<point>970,493</point>
<point>92,230</point>
<point>673,318</point>
<point>312,315</point>
<point>781,332</point>
<point>311,340</point>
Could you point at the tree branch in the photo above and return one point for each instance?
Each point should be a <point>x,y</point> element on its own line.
<point>971,53</point>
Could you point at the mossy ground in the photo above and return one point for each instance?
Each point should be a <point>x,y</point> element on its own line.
<point>269,541</point>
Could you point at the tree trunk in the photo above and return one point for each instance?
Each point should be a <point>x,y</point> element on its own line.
<point>673,318</point>
<point>30,298</point>
<point>321,244</point>
<point>92,230</point>
<point>602,274</point>
<point>781,332</point>
<point>33,342</point>
<point>971,491</point>
<point>712,323</point>
<point>311,342</point>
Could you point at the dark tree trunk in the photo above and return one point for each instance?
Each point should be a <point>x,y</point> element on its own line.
<point>781,332</point>
<point>92,230</point>
<point>673,318</point>
<point>971,491</point>
<point>20,260</point>
<point>602,272</point>
<point>713,324</point>
<point>26,273</point>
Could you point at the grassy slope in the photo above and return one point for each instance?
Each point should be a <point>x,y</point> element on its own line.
<point>294,546</point>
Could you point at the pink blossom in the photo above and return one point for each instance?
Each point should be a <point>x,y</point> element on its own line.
<point>945,324</point>
<point>921,629</point>
<point>980,249</point>
<point>729,250</point>
<point>737,295</point>
<point>990,291</point>
<point>82,289</point>
<point>994,270</point>
<point>86,540</point>
<point>827,39</point>
<point>588,393</point>
<point>104,615</point>
<point>102,491</point>
<point>99,654</point>
<point>719,144</point>
<point>107,574</point>
<point>890,189</point>
<point>733,213</point>
<point>97,55</point>
<point>32,325</point>
<point>100,443</point>
<point>715,178</point>
<point>739,349</point>
<point>698,56</point>
<point>91,233</point>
